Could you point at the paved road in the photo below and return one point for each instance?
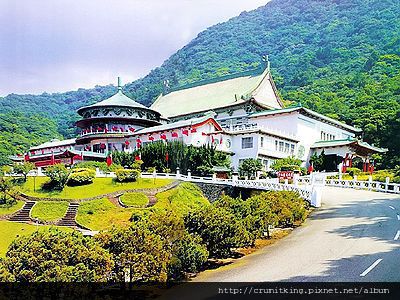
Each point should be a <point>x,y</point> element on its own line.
<point>353,237</point>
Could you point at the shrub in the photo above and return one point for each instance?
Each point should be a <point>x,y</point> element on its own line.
<point>218,228</point>
<point>127,175</point>
<point>151,169</point>
<point>353,171</point>
<point>286,164</point>
<point>81,176</point>
<point>58,175</point>
<point>189,254</point>
<point>249,167</point>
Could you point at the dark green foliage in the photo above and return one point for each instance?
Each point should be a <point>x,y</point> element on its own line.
<point>81,176</point>
<point>58,175</point>
<point>53,255</point>
<point>6,191</point>
<point>318,161</point>
<point>23,168</point>
<point>286,164</point>
<point>249,167</point>
<point>199,160</point>
<point>127,175</point>
<point>219,229</point>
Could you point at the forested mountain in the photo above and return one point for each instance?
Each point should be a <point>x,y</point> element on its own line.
<point>338,57</point>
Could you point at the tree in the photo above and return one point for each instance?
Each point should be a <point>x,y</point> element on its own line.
<point>6,191</point>
<point>218,228</point>
<point>23,168</point>
<point>286,164</point>
<point>137,252</point>
<point>53,255</point>
<point>318,161</point>
<point>249,167</point>
<point>58,175</point>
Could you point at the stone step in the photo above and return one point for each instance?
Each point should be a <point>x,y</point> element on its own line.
<point>23,215</point>
<point>69,217</point>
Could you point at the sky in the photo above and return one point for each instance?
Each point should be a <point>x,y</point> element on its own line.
<point>62,45</point>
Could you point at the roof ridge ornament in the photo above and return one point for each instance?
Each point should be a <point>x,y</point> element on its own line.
<point>265,59</point>
<point>119,84</point>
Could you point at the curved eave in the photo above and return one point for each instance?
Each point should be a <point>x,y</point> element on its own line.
<point>87,138</point>
<point>133,121</point>
<point>94,106</point>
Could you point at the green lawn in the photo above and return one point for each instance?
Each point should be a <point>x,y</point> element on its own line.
<point>98,187</point>
<point>138,200</point>
<point>9,210</point>
<point>181,199</point>
<point>49,210</point>
<point>101,214</point>
<point>11,230</point>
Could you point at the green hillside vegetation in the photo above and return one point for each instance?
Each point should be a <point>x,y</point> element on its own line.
<point>49,210</point>
<point>99,187</point>
<point>340,58</point>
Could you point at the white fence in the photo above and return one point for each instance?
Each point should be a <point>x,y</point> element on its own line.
<point>386,187</point>
<point>307,192</point>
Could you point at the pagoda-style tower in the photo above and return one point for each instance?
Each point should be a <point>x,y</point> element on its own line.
<point>104,125</point>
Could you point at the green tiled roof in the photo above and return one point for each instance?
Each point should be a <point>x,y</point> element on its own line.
<point>338,143</point>
<point>309,112</point>
<point>119,100</point>
<point>54,143</point>
<point>219,94</point>
<point>169,126</point>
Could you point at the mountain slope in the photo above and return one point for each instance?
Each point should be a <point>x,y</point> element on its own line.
<point>339,57</point>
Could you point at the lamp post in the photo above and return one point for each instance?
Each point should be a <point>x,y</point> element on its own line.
<point>35,172</point>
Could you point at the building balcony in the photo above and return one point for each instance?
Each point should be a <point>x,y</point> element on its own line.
<point>250,128</point>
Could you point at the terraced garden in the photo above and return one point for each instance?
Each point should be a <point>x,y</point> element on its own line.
<point>99,186</point>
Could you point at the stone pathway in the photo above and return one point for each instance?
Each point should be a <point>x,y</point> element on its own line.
<point>69,217</point>
<point>23,215</point>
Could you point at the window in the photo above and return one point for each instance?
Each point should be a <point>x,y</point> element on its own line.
<point>262,142</point>
<point>287,147</point>
<point>276,145</point>
<point>247,142</point>
<point>281,146</point>
<point>292,149</point>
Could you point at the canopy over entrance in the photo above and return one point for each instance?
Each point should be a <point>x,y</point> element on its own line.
<point>348,149</point>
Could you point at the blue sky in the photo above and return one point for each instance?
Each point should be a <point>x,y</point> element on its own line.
<point>56,46</point>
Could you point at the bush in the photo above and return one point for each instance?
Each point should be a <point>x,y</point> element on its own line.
<point>81,176</point>
<point>249,167</point>
<point>127,175</point>
<point>218,228</point>
<point>58,175</point>
<point>189,254</point>
<point>353,171</point>
<point>286,164</point>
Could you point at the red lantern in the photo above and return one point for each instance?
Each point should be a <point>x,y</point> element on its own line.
<point>151,138</point>
<point>127,143</point>
<point>185,132</point>
<point>163,136</point>
<point>102,146</point>
<point>175,134</point>
<point>193,130</point>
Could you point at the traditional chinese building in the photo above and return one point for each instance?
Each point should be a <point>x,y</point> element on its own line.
<point>241,114</point>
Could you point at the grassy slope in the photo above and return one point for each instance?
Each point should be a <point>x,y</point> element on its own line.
<point>12,209</point>
<point>135,199</point>
<point>49,210</point>
<point>102,214</point>
<point>182,198</point>
<point>100,186</point>
<point>11,230</point>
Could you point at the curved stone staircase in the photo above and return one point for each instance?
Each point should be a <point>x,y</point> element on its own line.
<point>69,217</point>
<point>23,215</point>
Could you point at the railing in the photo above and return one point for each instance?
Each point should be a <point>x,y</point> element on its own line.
<point>386,187</point>
<point>307,192</point>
